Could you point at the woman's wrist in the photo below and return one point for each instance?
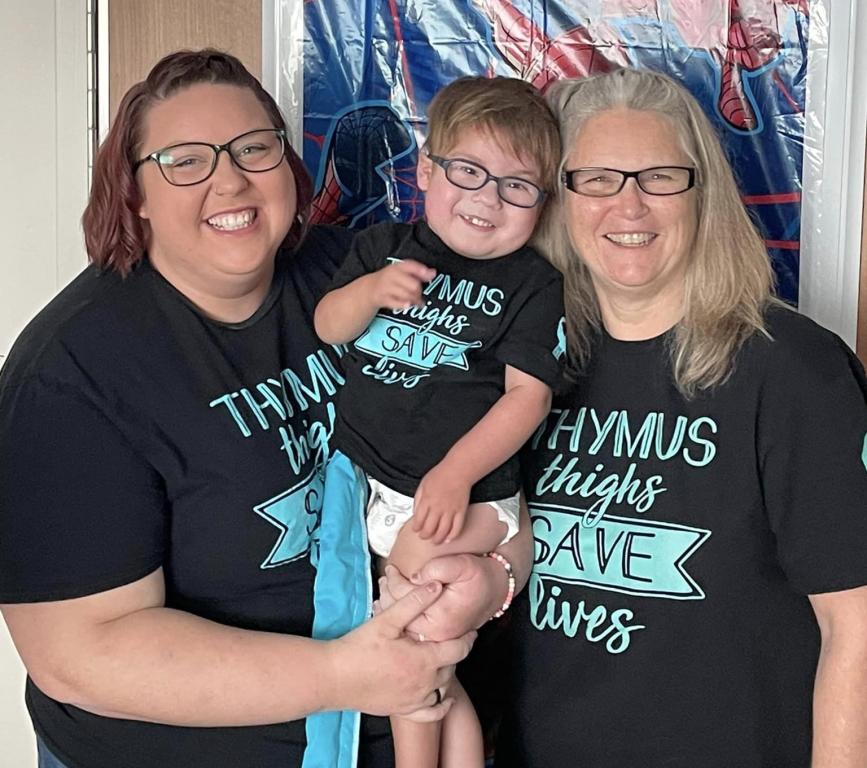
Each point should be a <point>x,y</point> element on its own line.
<point>334,688</point>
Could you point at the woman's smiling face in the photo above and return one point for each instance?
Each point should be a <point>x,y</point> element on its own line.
<point>636,246</point>
<point>214,241</point>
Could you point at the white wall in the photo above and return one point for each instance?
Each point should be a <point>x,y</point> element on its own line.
<point>43,132</point>
<point>43,190</point>
<point>834,157</point>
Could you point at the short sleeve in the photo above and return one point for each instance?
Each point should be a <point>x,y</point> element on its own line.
<point>80,512</point>
<point>319,257</point>
<point>535,340</point>
<point>363,257</point>
<point>328,245</point>
<point>812,451</point>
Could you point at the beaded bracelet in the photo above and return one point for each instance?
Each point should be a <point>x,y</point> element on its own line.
<point>511,591</point>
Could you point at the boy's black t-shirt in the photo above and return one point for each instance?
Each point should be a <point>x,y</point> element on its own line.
<point>136,433</point>
<point>667,621</point>
<point>417,380</point>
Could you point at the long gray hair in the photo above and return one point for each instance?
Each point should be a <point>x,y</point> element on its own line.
<point>729,280</point>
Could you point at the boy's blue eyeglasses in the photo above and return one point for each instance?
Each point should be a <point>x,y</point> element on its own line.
<point>469,175</point>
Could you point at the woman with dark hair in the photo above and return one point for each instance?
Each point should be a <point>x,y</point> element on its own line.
<point>699,495</point>
<point>163,424</point>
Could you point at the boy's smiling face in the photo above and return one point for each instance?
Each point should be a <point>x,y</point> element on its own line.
<point>477,223</point>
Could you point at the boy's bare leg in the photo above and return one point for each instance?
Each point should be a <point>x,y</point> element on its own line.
<point>417,745</point>
<point>461,742</point>
<point>483,531</point>
<point>456,742</point>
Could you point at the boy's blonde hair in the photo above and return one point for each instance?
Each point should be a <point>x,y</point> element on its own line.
<point>509,109</point>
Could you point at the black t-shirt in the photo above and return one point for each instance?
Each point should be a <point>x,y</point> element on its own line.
<point>667,621</point>
<point>417,380</point>
<point>136,433</point>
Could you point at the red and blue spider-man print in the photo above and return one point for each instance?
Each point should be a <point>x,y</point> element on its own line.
<point>372,68</point>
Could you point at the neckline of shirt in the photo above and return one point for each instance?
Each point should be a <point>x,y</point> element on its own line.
<point>264,307</point>
<point>636,346</point>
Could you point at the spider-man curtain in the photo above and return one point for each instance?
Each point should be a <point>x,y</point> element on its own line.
<point>370,68</point>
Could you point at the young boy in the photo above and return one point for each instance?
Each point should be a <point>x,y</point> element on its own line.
<point>452,325</point>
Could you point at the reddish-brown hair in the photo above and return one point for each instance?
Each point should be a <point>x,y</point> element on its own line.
<point>114,233</point>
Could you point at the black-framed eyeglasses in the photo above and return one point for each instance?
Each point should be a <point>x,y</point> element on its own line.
<point>513,190</point>
<point>606,182</point>
<point>194,161</point>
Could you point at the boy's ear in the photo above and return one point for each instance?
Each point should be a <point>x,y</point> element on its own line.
<point>423,170</point>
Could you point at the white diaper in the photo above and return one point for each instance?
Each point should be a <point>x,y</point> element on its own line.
<point>388,511</point>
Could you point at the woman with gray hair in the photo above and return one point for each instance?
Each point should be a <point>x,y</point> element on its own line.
<point>698,495</point>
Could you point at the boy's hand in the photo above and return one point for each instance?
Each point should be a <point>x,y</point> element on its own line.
<point>399,285</point>
<point>440,504</point>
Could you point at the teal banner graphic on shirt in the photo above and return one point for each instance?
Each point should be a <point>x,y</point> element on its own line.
<point>296,513</point>
<point>407,343</point>
<point>864,452</point>
<point>633,556</point>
